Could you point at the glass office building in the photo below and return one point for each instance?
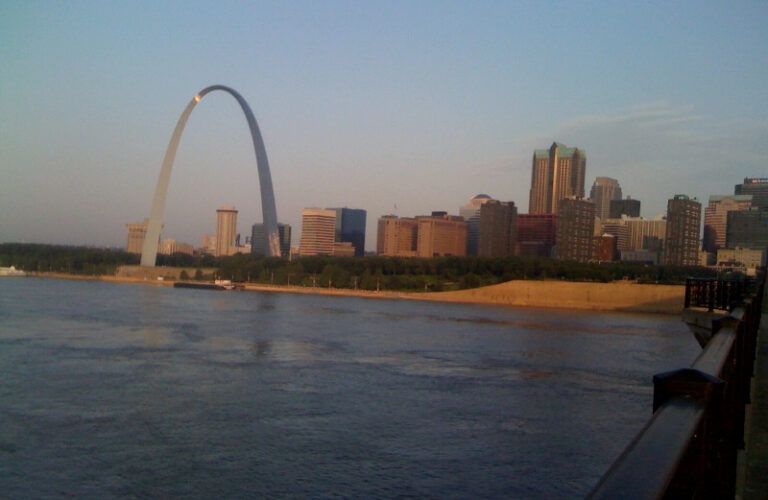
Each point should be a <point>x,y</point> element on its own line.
<point>350,227</point>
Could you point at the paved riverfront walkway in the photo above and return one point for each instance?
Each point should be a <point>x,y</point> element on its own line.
<point>756,456</point>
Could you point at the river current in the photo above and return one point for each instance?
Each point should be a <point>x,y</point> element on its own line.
<point>114,390</point>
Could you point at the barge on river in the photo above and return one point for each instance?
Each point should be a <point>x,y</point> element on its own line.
<point>216,285</point>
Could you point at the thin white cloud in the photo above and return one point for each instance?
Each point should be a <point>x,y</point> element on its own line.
<point>659,149</point>
<point>658,114</point>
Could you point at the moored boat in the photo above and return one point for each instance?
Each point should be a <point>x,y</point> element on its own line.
<point>11,271</point>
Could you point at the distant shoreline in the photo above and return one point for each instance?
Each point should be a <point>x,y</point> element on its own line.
<point>552,294</point>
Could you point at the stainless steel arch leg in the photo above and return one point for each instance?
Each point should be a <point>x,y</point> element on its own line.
<point>268,210</point>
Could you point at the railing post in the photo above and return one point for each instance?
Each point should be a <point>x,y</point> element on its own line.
<point>724,293</point>
<point>711,298</point>
<point>699,471</point>
<point>688,286</point>
<point>686,382</point>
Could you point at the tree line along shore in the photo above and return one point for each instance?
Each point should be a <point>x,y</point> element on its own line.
<point>364,273</point>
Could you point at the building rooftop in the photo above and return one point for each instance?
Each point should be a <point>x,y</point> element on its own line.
<point>734,197</point>
<point>683,197</point>
<point>564,150</point>
<point>755,180</point>
<point>605,181</point>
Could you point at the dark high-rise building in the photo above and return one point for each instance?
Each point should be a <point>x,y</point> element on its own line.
<point>259,240</point>
<point>497,234</point>
<point>682,237</point>
<point>747,229</point>
<point>350,227</point>
<point>558,172</point>
<point>627,206</point>
<point>603,191</point>
<point>536,234</point>
<point>653,243</point>
<point>575,230</point>
<point>757,187</point>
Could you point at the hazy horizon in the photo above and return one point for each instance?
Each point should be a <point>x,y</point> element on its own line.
<point>394,108</point>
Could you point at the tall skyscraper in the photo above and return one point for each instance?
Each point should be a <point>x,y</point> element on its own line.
<point>441,235</point>
<point>497,234</point>
<point>226,230</point>
<point>603,191</point>
<point>575,230</point>
<point>757,187</point>
<point>627,206</point>
<point>558,172</point>
<point>259,240</point>
<point>350,227</point>
<point>396,236</point>
<point>136,234</point>
<point>536,234</point>
<point>682,238</point>
<point>716,218</point>
<point>471,214</point>
<point>318,231</point>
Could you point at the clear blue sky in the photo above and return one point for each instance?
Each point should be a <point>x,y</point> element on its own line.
<point>419,105</point>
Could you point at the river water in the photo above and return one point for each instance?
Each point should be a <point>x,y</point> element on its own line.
<point>113,390</point>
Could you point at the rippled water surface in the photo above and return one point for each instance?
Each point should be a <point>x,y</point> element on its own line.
<point>111,390</point>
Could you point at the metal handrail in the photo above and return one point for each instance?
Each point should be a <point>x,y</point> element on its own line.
<point>688,448</point>
<point>716,294</point>
<point>714,357</point>
<point>646,467</point>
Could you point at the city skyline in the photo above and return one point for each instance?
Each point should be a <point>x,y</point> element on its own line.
<point>384,107</point>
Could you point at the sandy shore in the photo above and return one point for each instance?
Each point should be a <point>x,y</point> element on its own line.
<point>616,296</point>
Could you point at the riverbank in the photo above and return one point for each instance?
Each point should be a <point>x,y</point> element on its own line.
<point>617,296</point>
<point>91,277</point>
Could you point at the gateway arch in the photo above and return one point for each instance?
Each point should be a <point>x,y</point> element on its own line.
<point>151,240</point>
